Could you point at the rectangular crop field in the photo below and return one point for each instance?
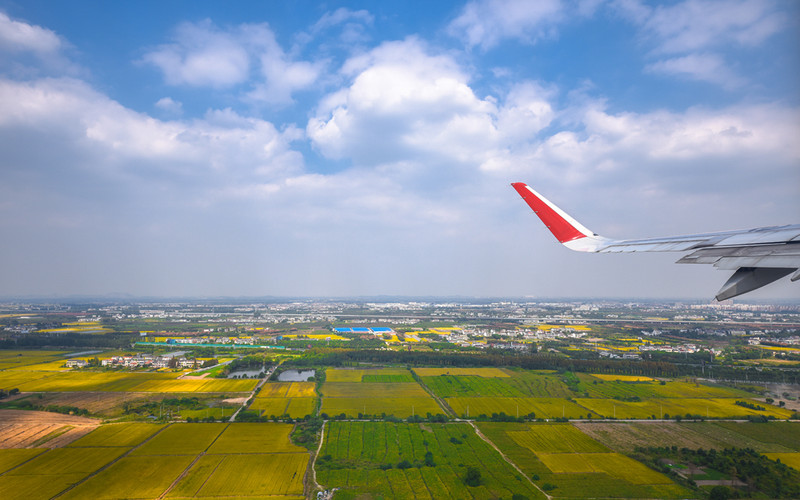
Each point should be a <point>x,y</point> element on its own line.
<point>238,476</point>
<point>556,438</point>
<point>670,407</point>
<point>376,390</point>
<point>588,473</point>
<point>144,477</point>
<point>476,372</point>
<point>762,437</point>
<point>118,435</point>
<point>182,439</point>
<point>68,461</point>
<point>360,453</point>
<point>255,438</point>
<point>541,407</point>
<point>372,374</point>
<point>10,458</point>
<point>401,407</point>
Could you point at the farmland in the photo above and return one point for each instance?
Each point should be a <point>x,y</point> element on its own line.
<point>295,399</point>
<point>116,460</point>
<point>375,392</point>
<point>369,458</point>
<point>565,458</point>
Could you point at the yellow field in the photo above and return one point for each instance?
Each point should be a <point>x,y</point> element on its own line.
<point>255,438</point>
<point>480,372</point>
<point>287,390</point>
<point>376,390</point>
<point>711,407</point>
<point>12,457</point>
<point>542,407</point>
<point>623,378</point>
<point>355,375</point>
<point>398,406</point>
<point>118,435</point>
<point>316,336</point>
<point>613,464</point>
<point>133,477</point>
<point>241,476</point>
<point>790,459</point>
<point>181,439</point>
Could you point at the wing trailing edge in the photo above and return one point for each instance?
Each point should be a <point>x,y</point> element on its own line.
<point>757,256</point>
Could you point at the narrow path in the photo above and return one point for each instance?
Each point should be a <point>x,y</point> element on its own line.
<point>317,486</point>
<point>441,402</point>
<point>508,460</point>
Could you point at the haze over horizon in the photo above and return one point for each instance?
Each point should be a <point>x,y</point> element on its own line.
<point>197,149</point>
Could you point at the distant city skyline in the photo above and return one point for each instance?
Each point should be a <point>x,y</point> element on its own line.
<point>340,149</point>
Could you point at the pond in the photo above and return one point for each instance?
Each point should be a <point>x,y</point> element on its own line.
<point>296,375</point>
<point>246,373</point>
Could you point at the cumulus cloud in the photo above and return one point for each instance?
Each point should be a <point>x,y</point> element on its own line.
<point>125,142</point>
<point>485,23</point>
<point>169,105</point>
<point>204,55</point>
<point>17,36</point>
<point>404,104</point>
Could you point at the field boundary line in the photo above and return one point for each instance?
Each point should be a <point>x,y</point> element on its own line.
<point>439,401</point>
<point>44,450</point>
<point>188,467</point>
<point>503,455</point>
<point>109,464</point>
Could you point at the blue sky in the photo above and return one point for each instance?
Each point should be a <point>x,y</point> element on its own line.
<point>363,148</point>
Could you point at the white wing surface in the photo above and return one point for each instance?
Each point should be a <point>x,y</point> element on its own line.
<point>757,256</point>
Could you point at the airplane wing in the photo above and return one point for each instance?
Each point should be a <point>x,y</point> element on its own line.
<point>757,256</point>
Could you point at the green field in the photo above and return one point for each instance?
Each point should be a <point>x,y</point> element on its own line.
<point>354,452</point>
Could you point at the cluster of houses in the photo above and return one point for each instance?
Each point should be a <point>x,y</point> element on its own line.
<point>141,360</point>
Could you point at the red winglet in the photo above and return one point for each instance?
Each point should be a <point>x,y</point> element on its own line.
<point>561,228</point>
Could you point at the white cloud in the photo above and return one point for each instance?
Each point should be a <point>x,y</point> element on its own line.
<point>486,22</point>
<point>137,145</point>
<point>169,105</point>
<point>202,55</point>
<point>16,36</point>
<point>709,68</point>
<point>404,103</point>
<point>701,36</point>
<point>697,25</point>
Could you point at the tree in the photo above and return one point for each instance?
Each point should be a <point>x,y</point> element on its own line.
<point>719,493</point>
<point>472,477</point>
